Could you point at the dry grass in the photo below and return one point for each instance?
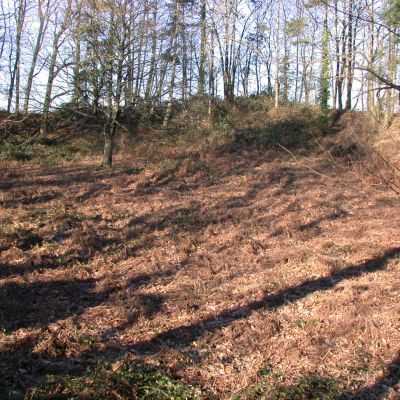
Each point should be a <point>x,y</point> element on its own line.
<point>370,147</point>
<point>245,275</point>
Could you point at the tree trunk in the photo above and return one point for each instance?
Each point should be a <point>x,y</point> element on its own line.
<point>109,133</point>
<point>349,77</point>
<point>343,64</point>
<point>337,49</point>
<point>184,58</point>
<point>16,72</point>
<point>52,73</point>
<point>371,50</point>
<point>38,45</point>
<point>285,83</point>
<point>150,79</point>
<point>76,99</point>
<point>324,78</point>
<point>277,58</point>
<point>174,46</point>
<point>202,67</point>
<point>392,66</point>
<point>49,87</point>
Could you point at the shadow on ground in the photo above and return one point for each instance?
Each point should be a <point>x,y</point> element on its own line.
<point>39,303</point>
<point>35,305</point>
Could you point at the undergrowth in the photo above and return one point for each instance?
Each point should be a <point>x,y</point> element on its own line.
<point>43,154</point>
<point>247,122</point>
<point>57,148</point>
<point>310,387</point>
<point>250,122</point>
<point>122,380</point>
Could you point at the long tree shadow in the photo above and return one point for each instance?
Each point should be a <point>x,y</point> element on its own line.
<point>67,178</point>
<point>85,247</point>
<point>330,217</point>
<point>185,335</point>
<point>48,261</point>
<point>29,199</point>
<point>87,244</point>
<point>80,295</point>
<point>312,229</point>
<point>94,191</point>
<point>37,304</point>
<point>378,389</point>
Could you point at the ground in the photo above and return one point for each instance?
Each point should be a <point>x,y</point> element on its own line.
<point>243,275</point>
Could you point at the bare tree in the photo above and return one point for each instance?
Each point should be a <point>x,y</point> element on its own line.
<point>43,8</point>
<point>15,78</point>
<point>63,20</point>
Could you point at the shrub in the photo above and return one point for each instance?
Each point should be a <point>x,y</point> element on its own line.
<point>312,387</point>
<point>251,121</point>
<point>9,151</point>
<point>289,126</point>
<point>122,380</point>
<point>371,148</point>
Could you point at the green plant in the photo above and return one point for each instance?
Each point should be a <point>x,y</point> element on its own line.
<point>312,387</point>
<point>87,340</point>
<point>122,379</point>
<point>10,151</point>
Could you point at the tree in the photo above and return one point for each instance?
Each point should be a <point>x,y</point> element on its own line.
<point>324,79</point>
<point>203,34</point>
<point>107,39</point>
<point>105,57</point>
<point>176,16</point>
<point>43,10</point>
<point>15,77</point>
<point>63,19</point>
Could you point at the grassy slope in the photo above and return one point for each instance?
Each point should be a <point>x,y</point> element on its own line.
<point>243,274</point>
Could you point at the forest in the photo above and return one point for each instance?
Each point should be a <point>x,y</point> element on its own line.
<point>199,199</point>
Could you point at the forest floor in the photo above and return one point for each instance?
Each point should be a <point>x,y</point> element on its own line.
<point>244,275</point>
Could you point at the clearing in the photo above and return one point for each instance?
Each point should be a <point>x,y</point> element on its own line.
<point>244,276</point>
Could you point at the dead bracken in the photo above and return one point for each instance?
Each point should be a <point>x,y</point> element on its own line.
<point>264,283</point>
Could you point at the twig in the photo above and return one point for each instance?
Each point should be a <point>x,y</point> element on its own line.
<point>27,141</point>
<point>383,158</point>
<point>324,175</point>
<point>304,165</point>
<point>122,126</point>
<point>11,121</point>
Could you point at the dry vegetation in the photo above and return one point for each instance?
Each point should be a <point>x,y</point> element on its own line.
<point>193,274</point>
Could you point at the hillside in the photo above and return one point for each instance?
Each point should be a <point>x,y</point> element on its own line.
<point>219,274</point>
